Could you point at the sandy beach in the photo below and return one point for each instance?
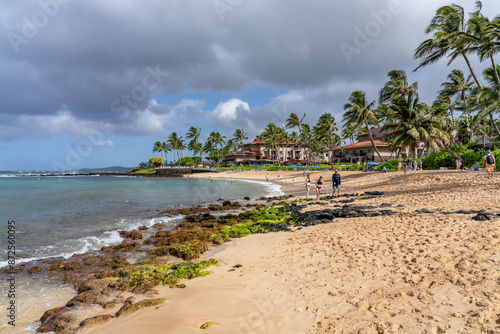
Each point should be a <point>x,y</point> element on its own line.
<point>428,268</point>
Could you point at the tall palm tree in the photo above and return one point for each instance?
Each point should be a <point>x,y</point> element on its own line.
<point>396,86</point>
<point>177,144</point>
<point>327,128</point>
<point>458,85</point>
<point>240,135</point>
<point>444,103</point>
<point>294,121</point>
<point>306,138</point>
<point>450,38</point>
<point>217,141</point>
<point>415,124</point>
<point>358,112</point>
<point>272,136</point>
<point>489,96</point>
<point>162,148</point>
<point>194,134</point>
<point>348,132</point>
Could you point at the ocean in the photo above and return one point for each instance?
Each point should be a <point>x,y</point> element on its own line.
<point>63,215</point>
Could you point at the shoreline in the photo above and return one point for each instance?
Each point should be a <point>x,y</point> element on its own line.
<point>206,298</point>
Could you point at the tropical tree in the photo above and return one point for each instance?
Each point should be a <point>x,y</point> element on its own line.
<point>450,38</point>
<point>416,124</point>
<point>240,135</point>
<point>294,121</point>
<point>272,137</point>
<point>358,112</point>
<point>327,127</point>
<point>177,144</point>
<point>348,132</point>
<point>162,148</point>
<point>306,138</point>
<point>217,141</point>
<point>209,149</point>
<point>459,86</point>
<point>397,86</point>
<point>194,134</point>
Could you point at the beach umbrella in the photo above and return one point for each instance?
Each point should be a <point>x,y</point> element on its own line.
<point>315,166</point>
<point>300,166</point>
<point>292,165</point>
<point>372,163</point>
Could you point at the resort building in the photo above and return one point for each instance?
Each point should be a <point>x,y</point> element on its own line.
<point>256,152</point>
<point>361,151</point>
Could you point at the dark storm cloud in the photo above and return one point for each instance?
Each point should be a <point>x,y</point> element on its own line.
<point>84,61</point>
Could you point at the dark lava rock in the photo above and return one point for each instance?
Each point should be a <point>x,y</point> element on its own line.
<point>226,203</point>
<point>484,216</point>
<point>374,193</point>
<point>142,228</point>
<point>424,210</point>
<point>84,298</point>
<point>123,247</point>
<point>246,198</point>
<point>347,200</point>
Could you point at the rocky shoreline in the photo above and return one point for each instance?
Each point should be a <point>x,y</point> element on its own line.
<point>121,278</point>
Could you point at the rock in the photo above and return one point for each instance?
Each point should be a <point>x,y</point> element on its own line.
<point>34,270</point>
<point>132,235</point>
<point>127,308</point>
<point>97,320</point>
<point>59,323</point>
<point>93,284</point>
<point>142,228</point>
<point>246,198</point>
<point>84,298</point>
<point>108,305</point>
<point>49,314</point>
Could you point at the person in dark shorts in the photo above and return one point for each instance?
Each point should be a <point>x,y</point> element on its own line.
<point>336,182</point>
<point>405,164</point>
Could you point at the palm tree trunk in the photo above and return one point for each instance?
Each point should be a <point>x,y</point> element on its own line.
<point>372,141</point>
<point>472,71</point>
<point>443,147</point>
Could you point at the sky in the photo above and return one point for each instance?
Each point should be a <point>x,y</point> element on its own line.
<point>95,83</point>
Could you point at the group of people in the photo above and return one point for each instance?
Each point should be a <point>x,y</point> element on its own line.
<point>320,184</point>
<point>489,164</point>
<point>407,164</point>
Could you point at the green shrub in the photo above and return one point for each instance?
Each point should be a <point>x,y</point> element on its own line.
<point>156,161</point>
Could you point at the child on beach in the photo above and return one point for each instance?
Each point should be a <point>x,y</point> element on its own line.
<point>319,184</point>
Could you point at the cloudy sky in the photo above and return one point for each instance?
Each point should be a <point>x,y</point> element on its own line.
<point>96,83</point>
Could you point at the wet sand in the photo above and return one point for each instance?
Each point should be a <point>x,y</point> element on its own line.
<point>411,272</point>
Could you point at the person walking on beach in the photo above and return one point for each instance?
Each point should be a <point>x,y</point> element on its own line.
<point>405,164</point>
<point>490,163</point>
<point>319,184</point>
<point>415,164</point>
<point>308,185</point>
<point>267,177</point>
<point>399,166</point>
<point>336,182</point>
<point>420,164</point>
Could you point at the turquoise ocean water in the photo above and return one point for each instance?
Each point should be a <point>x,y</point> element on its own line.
<point>63,215</point>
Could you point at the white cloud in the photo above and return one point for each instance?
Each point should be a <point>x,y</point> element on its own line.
<point>229,110</point>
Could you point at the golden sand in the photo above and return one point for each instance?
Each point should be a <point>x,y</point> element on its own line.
<point>406,273</point>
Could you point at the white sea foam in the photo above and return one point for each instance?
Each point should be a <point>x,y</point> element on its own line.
<point>85,244</point>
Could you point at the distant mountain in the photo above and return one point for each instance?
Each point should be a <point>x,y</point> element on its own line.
<point>112,169</point>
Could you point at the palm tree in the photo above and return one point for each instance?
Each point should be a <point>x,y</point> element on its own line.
<point>327,128</point>
<point>306,137</point>
<point>397,86</point>
<point>489,97</point>
<point>209,149</point>
<point>240,136</point>
<point>217,140</point>
<point>348,132</point>
<point>162,148</point>
<point>294,120</point>
<point>458,85</point>
<point>272,136</point>
<point>450,38</point>
<point>358,112</point>
<point>415,124</point>
<point>177,144</point>
<point>444,103</point>
<point>194,134</point>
